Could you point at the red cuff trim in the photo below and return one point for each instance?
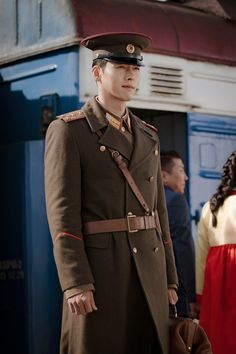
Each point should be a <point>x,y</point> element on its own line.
<point>60,234</point>
<point>199,299</point>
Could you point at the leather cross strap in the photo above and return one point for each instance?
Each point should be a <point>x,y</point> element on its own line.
<point>131,223</point>
<point>124,169</point>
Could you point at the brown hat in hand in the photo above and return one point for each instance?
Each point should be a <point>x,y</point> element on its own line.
<point>118,47</point>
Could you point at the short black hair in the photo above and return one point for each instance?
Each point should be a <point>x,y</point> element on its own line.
<point>167,158</point>
<point>99,62</point>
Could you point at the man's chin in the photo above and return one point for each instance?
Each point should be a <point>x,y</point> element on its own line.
<point>128,97</point>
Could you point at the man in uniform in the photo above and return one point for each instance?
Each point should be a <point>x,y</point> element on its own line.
<point>174,178</point>
<point>107,215</point>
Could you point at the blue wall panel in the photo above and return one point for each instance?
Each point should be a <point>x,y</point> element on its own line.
<point>31,304</point>
<point>24,84</point>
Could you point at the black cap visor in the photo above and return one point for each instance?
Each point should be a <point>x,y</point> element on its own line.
<point>121,60</point>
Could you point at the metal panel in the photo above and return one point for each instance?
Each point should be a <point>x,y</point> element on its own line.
<point>13,303</point>
<point>42,287</point>
<point>211,141</point>
<point>30,294</point>
<point>202,87</point>
<point>166,81</point>
<point>23,85</point>
<point>175,30</point>
<point>28,27</point>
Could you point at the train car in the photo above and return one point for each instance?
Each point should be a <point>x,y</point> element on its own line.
<point>187,91</point>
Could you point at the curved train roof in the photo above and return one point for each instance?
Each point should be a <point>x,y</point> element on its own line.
<point>175,29</point>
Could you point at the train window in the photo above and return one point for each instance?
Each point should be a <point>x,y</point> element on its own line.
<point>208,157</point>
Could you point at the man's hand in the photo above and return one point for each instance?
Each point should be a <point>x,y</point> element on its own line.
<point>172,296</point>
<point>83,303</point>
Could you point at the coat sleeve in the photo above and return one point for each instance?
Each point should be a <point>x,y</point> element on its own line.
<point>184,251</point>
<point>202,249</point>
<point>63,201</point>
<point>162,213</point>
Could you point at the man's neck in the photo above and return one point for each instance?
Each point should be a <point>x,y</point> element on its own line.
<point>114,106</point>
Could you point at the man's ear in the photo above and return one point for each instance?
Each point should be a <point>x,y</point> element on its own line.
<point>164,176</point>
<point>96,70</point>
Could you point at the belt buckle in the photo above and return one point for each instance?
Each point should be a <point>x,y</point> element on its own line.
<point>130,215</point>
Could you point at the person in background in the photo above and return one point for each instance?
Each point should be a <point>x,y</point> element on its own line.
<point>174,179</point>
<point>216,263</point>
<point>116,268</point>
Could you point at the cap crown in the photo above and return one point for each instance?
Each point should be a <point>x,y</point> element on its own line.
<point>118,47</point>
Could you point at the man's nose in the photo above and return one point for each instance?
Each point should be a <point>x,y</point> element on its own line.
<point>130,76</point>
<point>129,71</point>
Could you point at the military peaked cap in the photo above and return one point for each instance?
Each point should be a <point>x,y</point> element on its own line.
<point>118,47</point>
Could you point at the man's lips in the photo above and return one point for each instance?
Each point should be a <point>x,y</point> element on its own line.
<point>129,87</point>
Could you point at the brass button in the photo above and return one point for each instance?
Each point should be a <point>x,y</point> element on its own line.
<point>151,178</point>
<point>135,250</point>
<point>102,148</point>
<point>156,249</point>
<point>156,152</point>
<point>123,129</point>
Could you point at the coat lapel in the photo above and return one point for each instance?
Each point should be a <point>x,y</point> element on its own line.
<point>115,140</point>
<point>95,115</point>
<point>145,141</point>
<point>111,137</point>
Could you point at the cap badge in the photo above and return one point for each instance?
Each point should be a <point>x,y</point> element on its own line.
<point>130,48</point>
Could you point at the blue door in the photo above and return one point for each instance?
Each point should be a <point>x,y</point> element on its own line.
<point>30,307</point>
<point>211,141</point>
<point>27,87</point>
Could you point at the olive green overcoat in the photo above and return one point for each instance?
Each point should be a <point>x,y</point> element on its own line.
<point>130,271</point>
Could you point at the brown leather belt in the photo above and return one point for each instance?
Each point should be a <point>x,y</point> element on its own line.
<point>131,223</point>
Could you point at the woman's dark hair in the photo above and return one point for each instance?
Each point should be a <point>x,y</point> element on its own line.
<point>228,182</point>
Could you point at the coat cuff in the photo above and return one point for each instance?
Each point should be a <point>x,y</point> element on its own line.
<point>78,290</point>
<point>173,286</point>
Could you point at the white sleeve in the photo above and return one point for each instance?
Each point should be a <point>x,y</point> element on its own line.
<point>202,248</point>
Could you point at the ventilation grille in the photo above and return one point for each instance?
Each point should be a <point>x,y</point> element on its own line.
<point>166,81</point>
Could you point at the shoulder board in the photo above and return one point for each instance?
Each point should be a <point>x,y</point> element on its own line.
<point>150,126</point>
<point>72,116</point>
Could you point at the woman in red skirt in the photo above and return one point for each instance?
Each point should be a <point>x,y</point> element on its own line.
<point>216,263</point>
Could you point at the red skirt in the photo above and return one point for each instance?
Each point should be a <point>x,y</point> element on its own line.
<point>218,305</point>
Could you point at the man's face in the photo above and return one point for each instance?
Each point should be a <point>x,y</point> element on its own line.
<point>119,81</point>
<point>176,178</point>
